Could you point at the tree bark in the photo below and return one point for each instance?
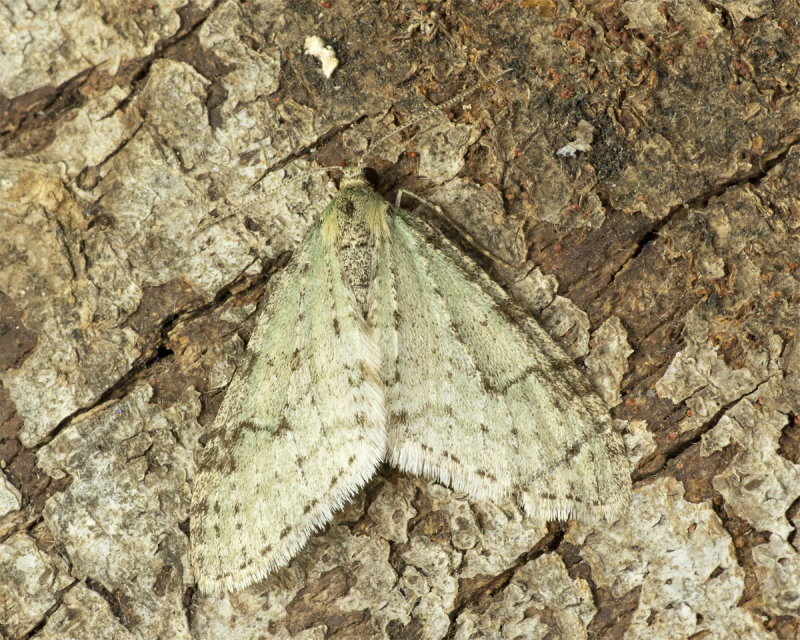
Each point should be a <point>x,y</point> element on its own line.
<point>632,181</point>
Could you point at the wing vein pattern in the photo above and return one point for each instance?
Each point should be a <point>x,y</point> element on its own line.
<point>445,377</point>
<point>300,430</point>
<point>471,368</point>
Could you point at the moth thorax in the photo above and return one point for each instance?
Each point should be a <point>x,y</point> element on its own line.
<point>356,247</point>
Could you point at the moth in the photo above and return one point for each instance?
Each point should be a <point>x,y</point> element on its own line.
<point>383,342</point>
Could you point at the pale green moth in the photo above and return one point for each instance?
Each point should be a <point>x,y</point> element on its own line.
<point>383,342</point>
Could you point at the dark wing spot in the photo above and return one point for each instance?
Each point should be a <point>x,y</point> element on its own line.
<point>561,365</point>
<point>249,366</point>
<point>574,449</point>
<point>248,425</point>
<point>283,428</point>
<point>398,417</point>
<point>200,507</point>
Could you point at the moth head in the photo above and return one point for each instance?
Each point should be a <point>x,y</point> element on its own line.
<point>356,205</point>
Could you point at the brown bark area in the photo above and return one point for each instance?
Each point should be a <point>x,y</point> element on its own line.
<point>632,181</point>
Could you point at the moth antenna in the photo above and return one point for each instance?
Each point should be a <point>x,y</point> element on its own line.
<point>251,197</point>
<point>425,114</point>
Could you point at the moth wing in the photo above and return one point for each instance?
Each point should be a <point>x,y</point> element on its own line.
<point>478,396</point>
<point>300,430</point>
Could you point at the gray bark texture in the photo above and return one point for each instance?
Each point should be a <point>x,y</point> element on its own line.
<point>632,181</point>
